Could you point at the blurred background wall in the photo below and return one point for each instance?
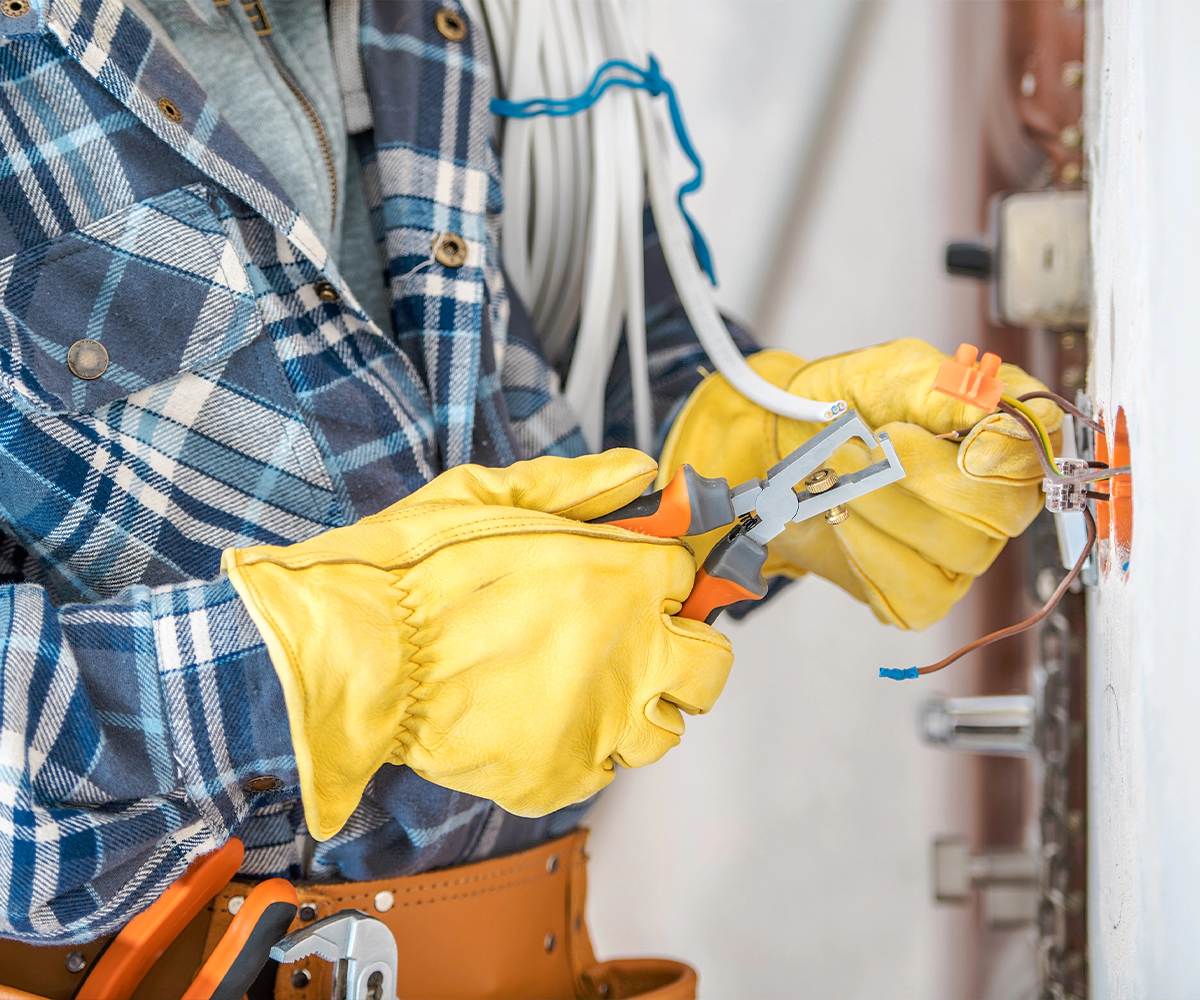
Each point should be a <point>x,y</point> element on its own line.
<point>784,848</point>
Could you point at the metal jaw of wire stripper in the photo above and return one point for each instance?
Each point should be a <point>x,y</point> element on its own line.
<point>795,489</point>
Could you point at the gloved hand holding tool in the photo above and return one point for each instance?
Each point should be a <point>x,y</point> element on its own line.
<point>481,632</point>
<point>798,487</point>
<point>913,548</point>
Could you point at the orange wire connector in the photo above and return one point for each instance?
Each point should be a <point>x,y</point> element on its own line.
<point>960,379</point>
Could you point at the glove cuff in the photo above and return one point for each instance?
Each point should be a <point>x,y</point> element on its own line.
<point>322,624</point>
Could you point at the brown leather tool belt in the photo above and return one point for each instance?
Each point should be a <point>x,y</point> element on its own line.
<point>509,927</point>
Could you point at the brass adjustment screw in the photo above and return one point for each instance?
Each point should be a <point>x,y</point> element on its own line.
<point>836,514</point>
<point>821,481</point>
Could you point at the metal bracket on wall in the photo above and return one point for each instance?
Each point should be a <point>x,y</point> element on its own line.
<point>1008,881</point>
<point>1037,258</point>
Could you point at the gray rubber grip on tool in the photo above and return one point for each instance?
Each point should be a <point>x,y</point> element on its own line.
<point>739,558</point>
<point>711,504</point>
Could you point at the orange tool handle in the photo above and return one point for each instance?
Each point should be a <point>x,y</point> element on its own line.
<point>731,573</point>
<point>711,595</point>
<point>240,955</point>
<point>689,504</point>
<point>142,941</point>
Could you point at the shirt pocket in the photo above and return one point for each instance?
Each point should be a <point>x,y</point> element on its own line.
<point>159,284</point>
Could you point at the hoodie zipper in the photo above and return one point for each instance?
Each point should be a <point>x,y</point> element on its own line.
<point>257,15</point>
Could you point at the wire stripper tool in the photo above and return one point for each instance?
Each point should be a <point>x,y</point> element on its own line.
<point>798,487</point>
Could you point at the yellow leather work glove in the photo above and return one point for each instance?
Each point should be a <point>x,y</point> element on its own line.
<point>481,633</point>
<point>909,550</point>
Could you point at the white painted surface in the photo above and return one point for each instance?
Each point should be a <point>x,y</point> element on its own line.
<point>752,118</point>
<point>1144,156</point>
<point>784,847</point>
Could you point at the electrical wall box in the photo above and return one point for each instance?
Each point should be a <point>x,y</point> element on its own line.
<point>1037,258</point>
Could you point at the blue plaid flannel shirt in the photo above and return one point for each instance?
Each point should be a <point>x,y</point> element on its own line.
<point>239,407</point>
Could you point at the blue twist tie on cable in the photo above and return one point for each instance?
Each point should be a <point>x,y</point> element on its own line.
<point>908,674</point>
<point>655,84</point>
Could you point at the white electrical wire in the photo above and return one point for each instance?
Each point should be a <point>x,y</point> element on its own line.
<point>574,192</point>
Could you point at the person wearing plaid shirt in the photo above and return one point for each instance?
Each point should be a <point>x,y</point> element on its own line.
<point>243,396</point>
<point>187,369</point>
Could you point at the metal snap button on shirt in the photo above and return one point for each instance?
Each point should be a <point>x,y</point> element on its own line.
<point>262,783</point>
<point>16,8</point>
<point>450,250</point>
<point>450,25</point>
<point>87,359</point>
<point>170,109</point>
<point>326,292</point>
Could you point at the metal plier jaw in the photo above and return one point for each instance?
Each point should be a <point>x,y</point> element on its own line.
<point>763,508</point>
<point>768,505</point>
<point>759,509</point>
<point>361,948</point>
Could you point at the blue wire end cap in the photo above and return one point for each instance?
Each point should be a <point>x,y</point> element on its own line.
<point>894,673</point>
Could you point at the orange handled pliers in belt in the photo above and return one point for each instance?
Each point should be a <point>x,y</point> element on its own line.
<point>795,489</point>
<point>239,956</point>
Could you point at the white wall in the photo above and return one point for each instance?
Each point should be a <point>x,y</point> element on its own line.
<point>784,847</point>
<point>1144,155</point>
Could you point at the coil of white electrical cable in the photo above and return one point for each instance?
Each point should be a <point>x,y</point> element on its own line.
<point>574,190</point>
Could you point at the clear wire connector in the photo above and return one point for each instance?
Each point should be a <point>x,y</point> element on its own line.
<point>1063,496</point>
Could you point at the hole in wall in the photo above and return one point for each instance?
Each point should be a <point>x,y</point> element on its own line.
<point>1114,519</point>
<point>1122,497</point>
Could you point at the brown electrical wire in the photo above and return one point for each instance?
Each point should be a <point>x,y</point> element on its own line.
<point>1028,623</point>
<point>1062,404</point>
<point>1047,460</point>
